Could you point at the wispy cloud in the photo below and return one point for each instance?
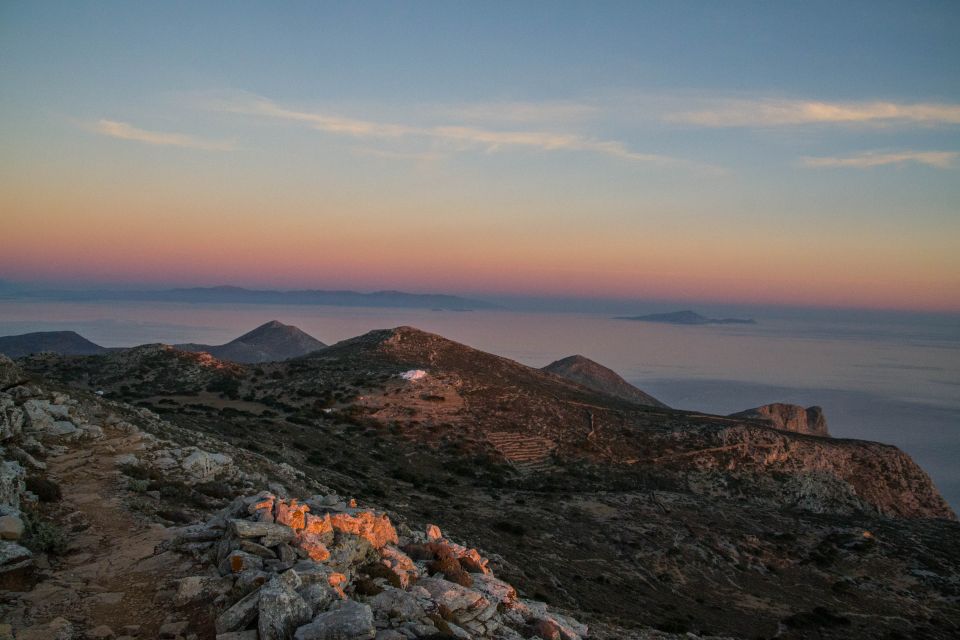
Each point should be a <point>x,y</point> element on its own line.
<point>772,113</point>
<point>937,159</point>
<point>454,136</point>
<point>126,131</point>
<point>553,112</point>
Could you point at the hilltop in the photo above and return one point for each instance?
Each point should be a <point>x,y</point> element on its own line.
<point>269,342</point>
<point>628,516</point>
<point>595,376</point>
<point>68,343</point>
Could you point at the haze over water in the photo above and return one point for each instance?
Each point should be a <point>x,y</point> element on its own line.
<point>890,377</point>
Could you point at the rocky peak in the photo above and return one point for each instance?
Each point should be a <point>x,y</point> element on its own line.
<point>789,417</point>
<point>270,342</point>
<point>594,375</point>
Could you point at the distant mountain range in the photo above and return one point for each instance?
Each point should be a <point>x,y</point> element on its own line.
<point>270,342</point>
<point>240,295</point>
<point>686,317</point>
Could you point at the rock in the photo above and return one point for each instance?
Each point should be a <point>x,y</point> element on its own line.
<point>25,459</point>
<point>789,417</point>
<point>318,596</point>
<point>61,428</point>
<point>292,514</point>
<point>272,534</point>
<point>568,628</point>
<point>12,553</point>
<point>11,527</point>
<point>202,465</point>
<point>257,549</point>
<point>464,604</point>
<point>11,483</point>
<point>433,533</point>
<point>494,589</point>
<point>400,564</point>
<point>396,603</point>
<point>126,459</point>
<point>103,632</point>
<point>237,561</point>
<point>10,373</point>
<point>350,552</point>
<point>347,620</point>
<point>197,588</point>
<point>375,528</point>
<point>250,634</point>
<point>281,610</point>
<point>56,629</point>
<point>11,418</point>
<point>173,629</point>
<point>251,579</point>
<point>240,615</point>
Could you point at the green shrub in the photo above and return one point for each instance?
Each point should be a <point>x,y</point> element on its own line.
<point>42,536</point>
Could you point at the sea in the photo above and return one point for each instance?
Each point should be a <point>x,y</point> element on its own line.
<point>893,377</point>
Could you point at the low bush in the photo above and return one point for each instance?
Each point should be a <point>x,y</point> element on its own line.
<point>46,490</point>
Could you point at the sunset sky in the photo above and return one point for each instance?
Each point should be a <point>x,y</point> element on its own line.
<point>800,153</point>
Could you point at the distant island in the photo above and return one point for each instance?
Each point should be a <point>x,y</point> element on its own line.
<point>686,318</point>
<point>240,295</point>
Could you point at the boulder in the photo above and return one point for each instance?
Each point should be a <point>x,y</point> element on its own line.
<point>464,604</point>
<point>375,528</point>
<point>347,620</point>
<point>396,603</point>
<point>11,418</point>
<point>12,553</point>
<point>11,527</point>
<point>281,609</point>
<point>238,561</point>
<point>318,595</point>
<point>272,534</point>
<point>240,615</point>
<point>250,634</point>
<point>202,465</point>
<point>56,629</point>
<point>11,483</point>
<point>400,564</point>
<point>197,588</point>
<point>9,372</point>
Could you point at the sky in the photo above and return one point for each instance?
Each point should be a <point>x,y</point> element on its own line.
<point>737,152</point>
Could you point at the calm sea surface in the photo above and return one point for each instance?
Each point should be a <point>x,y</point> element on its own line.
<point>888,377</point>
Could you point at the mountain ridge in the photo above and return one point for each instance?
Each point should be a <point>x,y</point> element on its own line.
<point>685,317</point>
<point>268,342</point>
<point>64,342</point>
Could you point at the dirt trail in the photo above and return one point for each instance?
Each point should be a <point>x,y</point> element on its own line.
<point>110,574</point>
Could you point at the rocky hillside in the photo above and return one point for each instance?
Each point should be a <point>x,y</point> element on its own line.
<point>789,417</point>
<point>96,500</point>
<point>272,341</point>
<point>595,376</point>
<point>68,343</point>
<point>627,517</point>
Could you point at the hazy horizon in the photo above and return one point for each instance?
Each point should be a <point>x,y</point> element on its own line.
<point>750,153</point>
